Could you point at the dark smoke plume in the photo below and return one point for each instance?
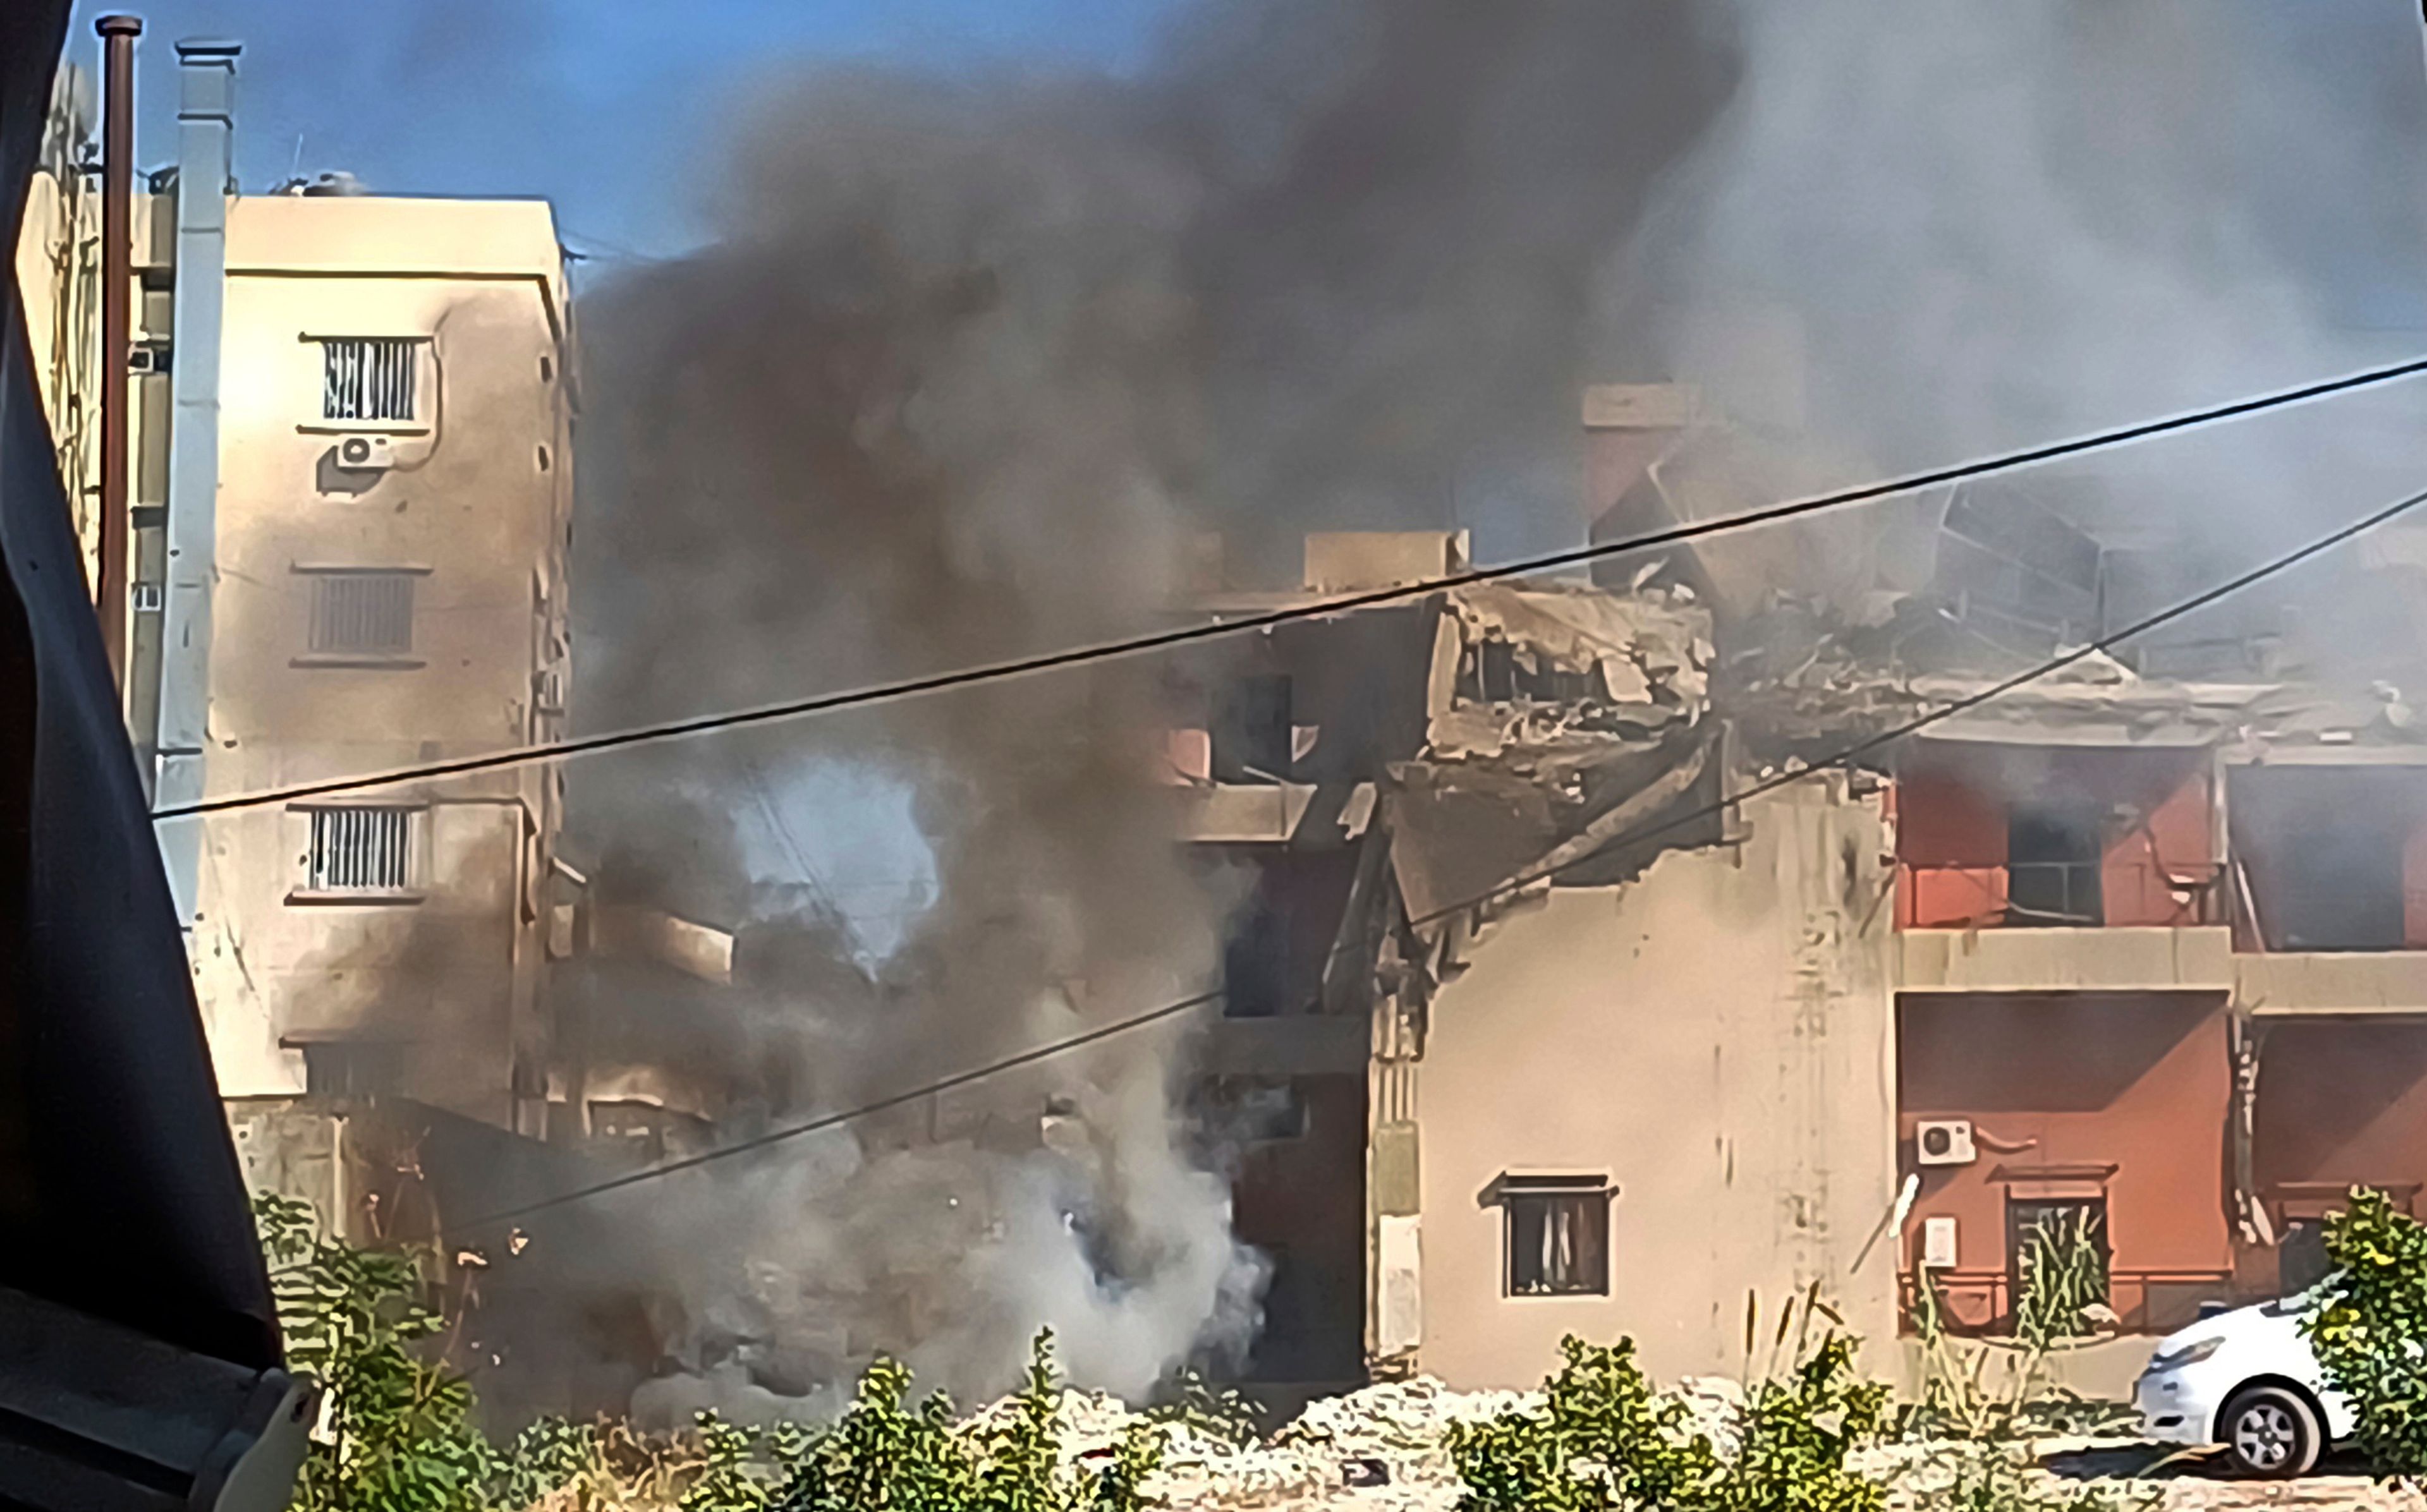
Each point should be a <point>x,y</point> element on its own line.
<point>968,368</point>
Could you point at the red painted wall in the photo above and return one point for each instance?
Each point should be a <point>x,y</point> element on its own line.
<point>2341,1101</point>
<point>2414,887</point>
<point>1952,807</point>
<point>2139,1080</point>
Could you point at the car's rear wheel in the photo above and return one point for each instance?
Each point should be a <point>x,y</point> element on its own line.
<point>2270,1432</point>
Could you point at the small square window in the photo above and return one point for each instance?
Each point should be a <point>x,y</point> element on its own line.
<point>370,378</point>
<point>1556,1233</point>
<point>360,848</point>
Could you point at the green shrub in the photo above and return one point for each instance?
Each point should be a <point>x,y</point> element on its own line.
<point>1797,1433</point>
<point>884,1455</point>
<point>2370,1331</point>
<point>401,1434</point>
<point>1985,1477</point>
<point>1603,1440</point>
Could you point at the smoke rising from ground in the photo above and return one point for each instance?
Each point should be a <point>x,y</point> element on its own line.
<point>974,359</point>
<point>971,364</point>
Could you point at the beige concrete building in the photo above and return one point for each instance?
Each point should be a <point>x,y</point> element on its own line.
<point>351,519</point>
<point>376,614</point>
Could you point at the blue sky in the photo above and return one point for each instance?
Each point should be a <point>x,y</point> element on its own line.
<point>612,109</point>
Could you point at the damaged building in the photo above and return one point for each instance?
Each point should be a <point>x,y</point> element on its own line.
<point>2135,951</point>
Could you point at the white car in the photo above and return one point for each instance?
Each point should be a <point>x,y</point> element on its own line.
<point>2246,1379</point>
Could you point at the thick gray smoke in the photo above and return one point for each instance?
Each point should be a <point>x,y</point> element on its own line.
<point>1929,230</point>
<point>968,368</point>
<point>974,359</point>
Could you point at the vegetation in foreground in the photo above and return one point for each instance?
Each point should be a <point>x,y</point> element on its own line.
<point>2370,1330</point>
<point>401,1431</point>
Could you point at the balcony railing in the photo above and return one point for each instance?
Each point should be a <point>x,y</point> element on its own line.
<point>1980,1304</point>
<point>2055,893</point>
<point>2062,894</point>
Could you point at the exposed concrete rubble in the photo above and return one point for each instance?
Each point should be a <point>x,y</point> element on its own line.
<point>1569,707</point>
<point>1549,671</point>
<point>1381,1450</point>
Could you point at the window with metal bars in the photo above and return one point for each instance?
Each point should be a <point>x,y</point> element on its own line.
<point>359,849</point>
<point>362,613</point>
<point>370,378</point>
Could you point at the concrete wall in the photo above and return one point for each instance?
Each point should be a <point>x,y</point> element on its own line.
<point>479,505</point>
<point>1715,1039</point>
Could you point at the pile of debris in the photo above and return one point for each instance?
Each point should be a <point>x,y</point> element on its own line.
<point>1380,1449</point>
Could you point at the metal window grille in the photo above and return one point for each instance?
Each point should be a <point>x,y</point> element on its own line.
<point>365,612</point>
<point>359,849</point>
<point>368,377</point>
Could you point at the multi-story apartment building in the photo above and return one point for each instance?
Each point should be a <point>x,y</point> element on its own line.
<point>350,517</point>
<point>2134,952</point>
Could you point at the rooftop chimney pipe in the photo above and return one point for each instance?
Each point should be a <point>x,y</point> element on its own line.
<point>117,34</point>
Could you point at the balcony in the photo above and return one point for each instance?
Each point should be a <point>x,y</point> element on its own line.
<point>2331,983</point>
<point>2190,959</point>
<point>1243,813</point>
<point>2118,891</point>
<point>2115,925</point>
<point>1980,1303</point>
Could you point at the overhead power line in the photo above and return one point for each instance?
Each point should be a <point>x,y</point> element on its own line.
<point>1845,756</point>
<point>1165,639</point>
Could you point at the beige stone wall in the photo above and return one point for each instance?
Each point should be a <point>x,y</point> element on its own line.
<point>1715,1038</point>
<point>477,506</point>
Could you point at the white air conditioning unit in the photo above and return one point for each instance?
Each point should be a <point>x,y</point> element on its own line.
<point>367,454</point>
<point>1944,1142</point>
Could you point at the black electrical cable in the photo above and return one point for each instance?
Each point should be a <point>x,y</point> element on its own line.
<point>1165,639</point>
<point>1524,880</point>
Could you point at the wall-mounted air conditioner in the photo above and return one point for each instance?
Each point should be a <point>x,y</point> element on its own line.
<point>1944,1142</point>
<point>367,454</point>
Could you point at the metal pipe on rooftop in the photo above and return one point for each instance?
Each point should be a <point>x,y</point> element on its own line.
<point>117,34</point>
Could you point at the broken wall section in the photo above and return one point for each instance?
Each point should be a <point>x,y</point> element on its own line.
<point>1639,1104</point>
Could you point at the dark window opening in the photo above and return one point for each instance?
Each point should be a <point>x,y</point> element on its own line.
<point>350,1071</point>
<point>2300,1259</point>
<point>1251,731</point>
<point>2057,1256</point>
<point>1255,1110</point>
<point>1255,963</point>
<point>1495,670</point>
<point>2321,849</point>
<point>2052,863</point>
<point>1556,1234</point>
